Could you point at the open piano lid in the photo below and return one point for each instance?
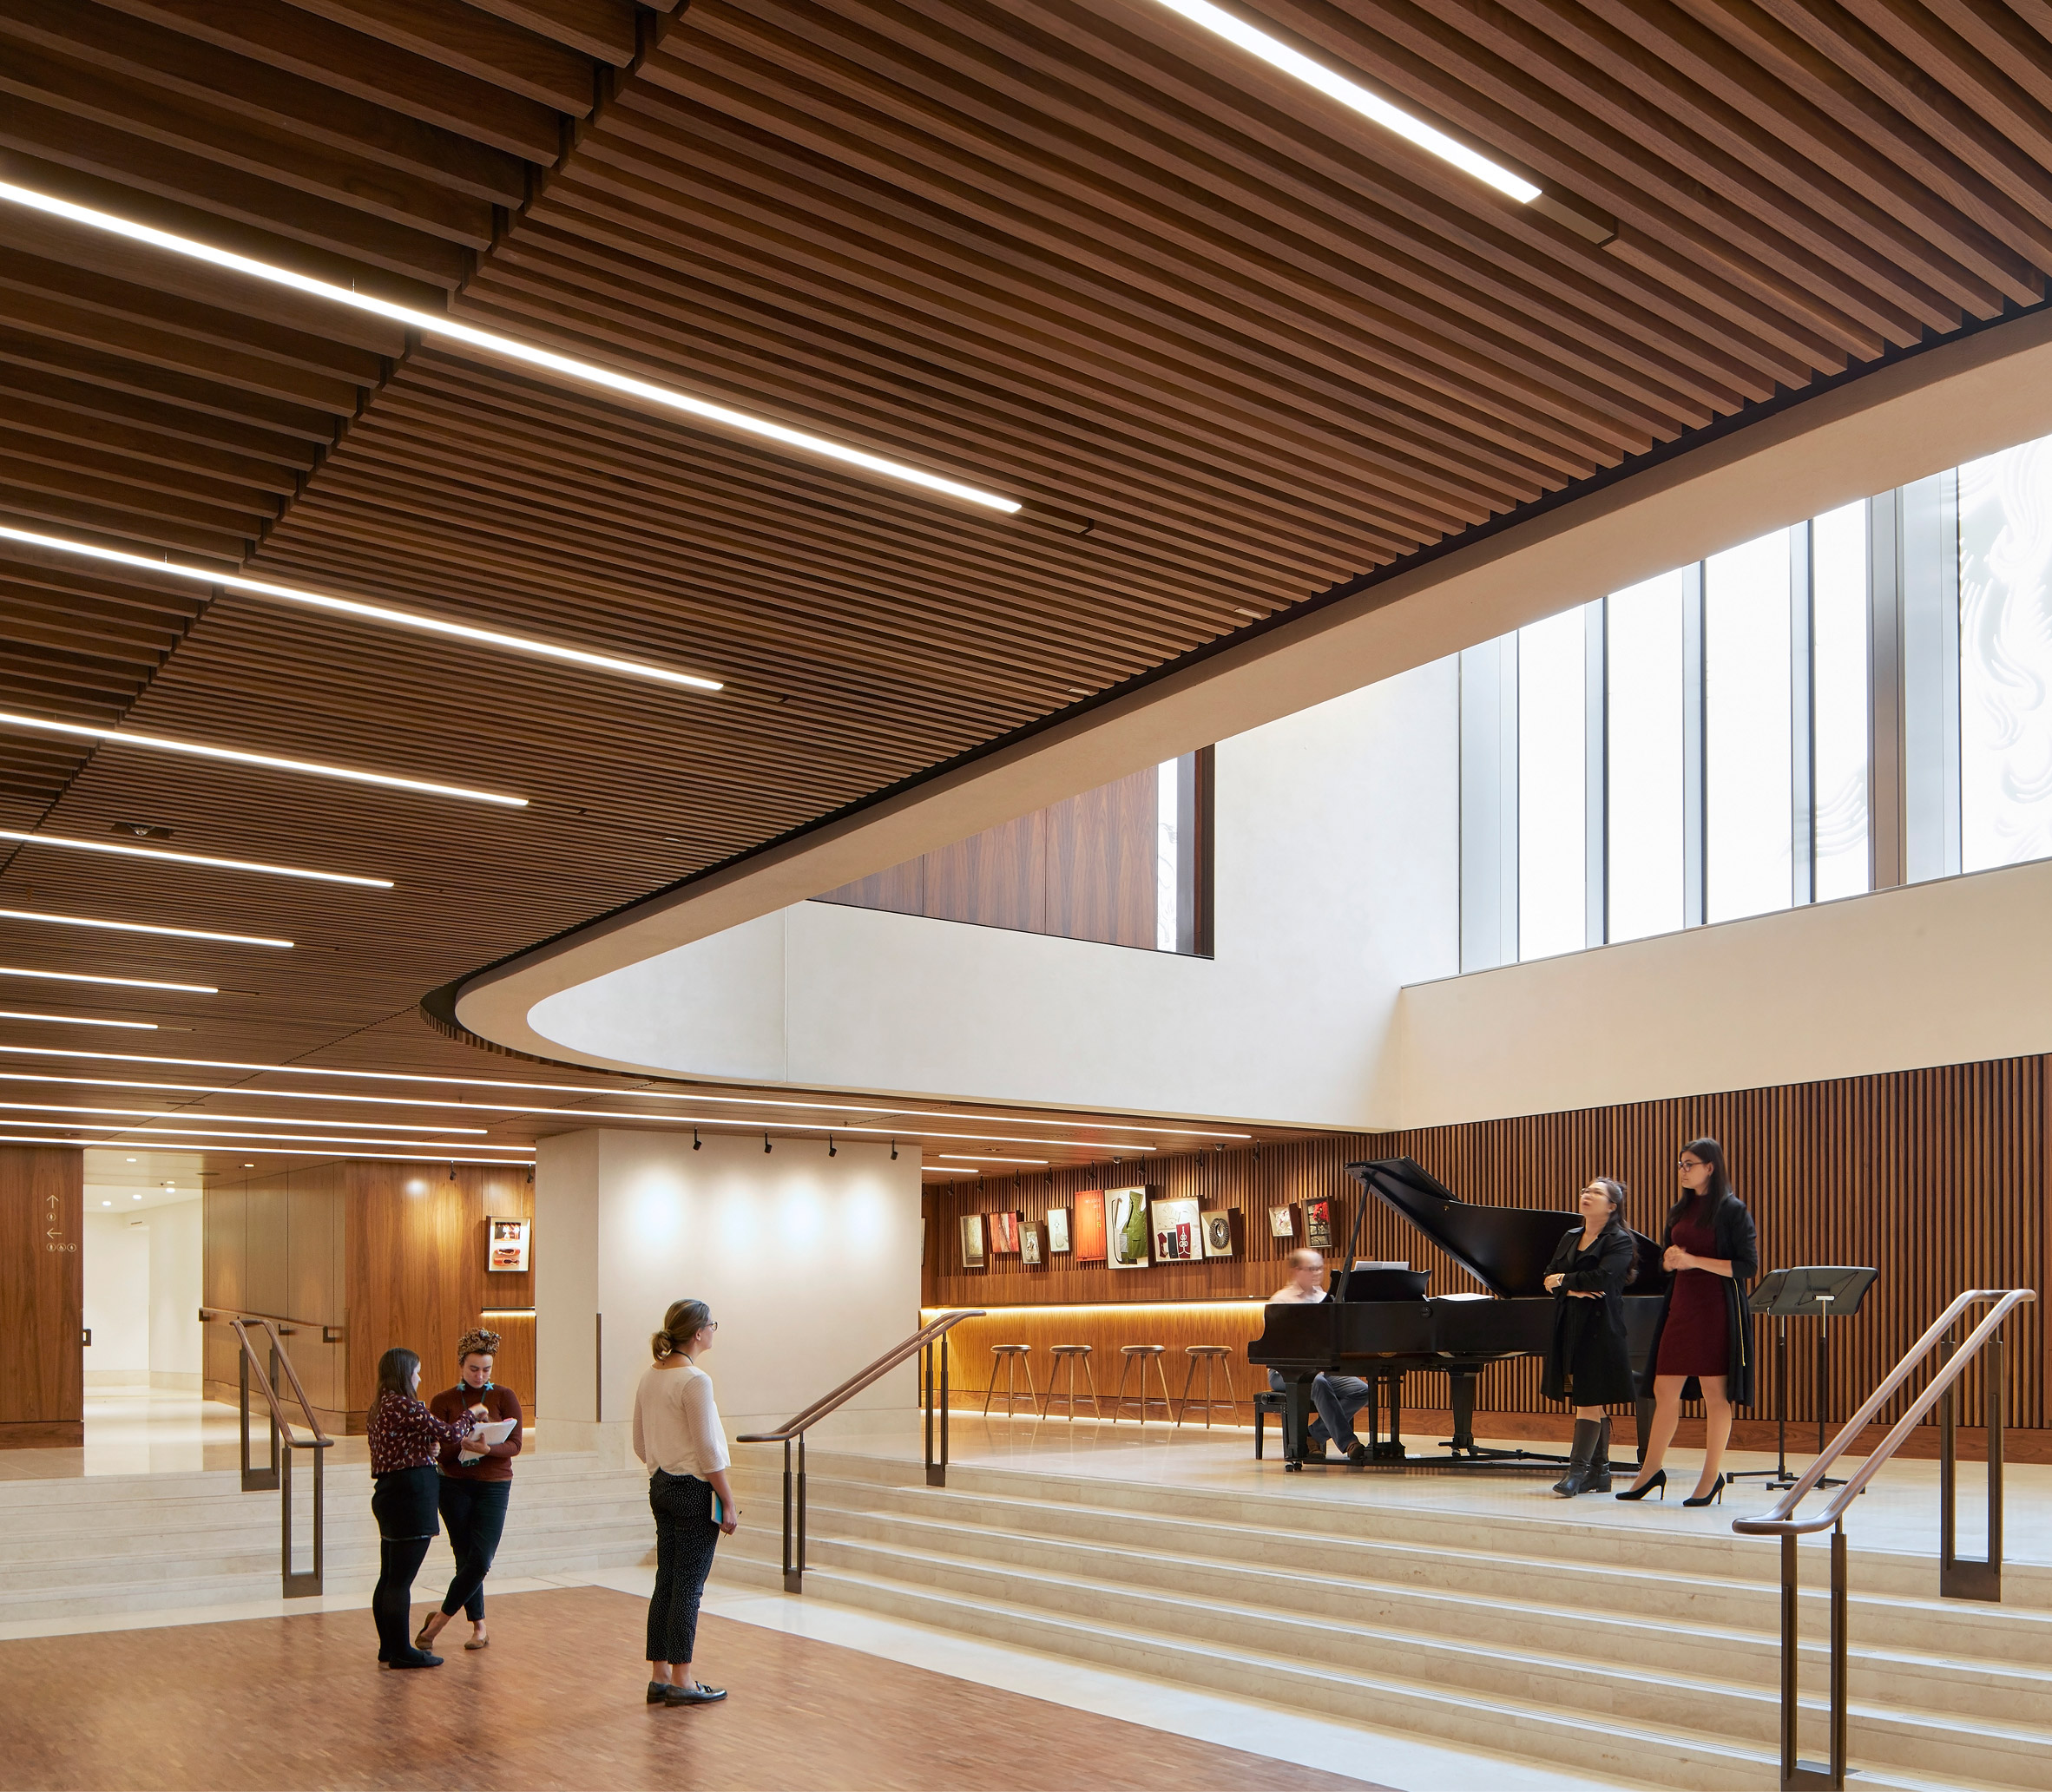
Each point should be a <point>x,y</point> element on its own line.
<point>1505,1249</point>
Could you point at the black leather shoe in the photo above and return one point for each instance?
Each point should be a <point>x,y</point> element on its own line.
<point>694,1695</point>
<point>658,1692</point>
<point>416,1658</point>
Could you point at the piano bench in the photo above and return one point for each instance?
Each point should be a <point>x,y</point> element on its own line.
<point>1265,1403</point>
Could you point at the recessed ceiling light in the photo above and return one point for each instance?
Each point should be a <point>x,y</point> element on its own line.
<point>141,830</point>
<point>192,858</point>
<point>240,1119</point>
<point>16,970</point>
<point>76,1019</point>
<point>138,1194</point>
<point>141,926</point>
<point>368,611</point>
<point>1371,105</point>
<point>249,1166</point>
<point>132,1160</point>
<point>429,324</point>
<point>235,755</point>
<point>108,1204</point>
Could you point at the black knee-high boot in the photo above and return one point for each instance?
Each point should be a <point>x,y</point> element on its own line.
<point>1582,1465</point>
<point>1598,1480</point>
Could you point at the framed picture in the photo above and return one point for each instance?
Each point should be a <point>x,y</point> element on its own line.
<point>1178,1230</point>
<point>507,1251</point>
<point>1090,1226</point>
<point>1057,1230</point>
<point>1126,1228</point>
<point>1282,1222</point>
<point>972,1241</point>
<point>1318,1225</point>
<point>1004,1233</point>
<point>1218,1233</point>
<point>1029,1246</point>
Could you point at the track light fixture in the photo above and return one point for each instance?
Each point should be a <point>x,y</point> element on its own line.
<point>697,1143</point>
<point>452,1172</point>
<point>765,1145</point>
<point>893,1150</point>
<point>830,1151</point>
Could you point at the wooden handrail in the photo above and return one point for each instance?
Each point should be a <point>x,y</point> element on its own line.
<point>1781,1522</point>
<point>1957,1578</point>
<point>863,1378</point>
<point>794,1429</point>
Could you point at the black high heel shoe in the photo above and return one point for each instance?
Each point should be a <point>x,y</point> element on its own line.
<point>1716,1493</point>
<point>1658,1479</point>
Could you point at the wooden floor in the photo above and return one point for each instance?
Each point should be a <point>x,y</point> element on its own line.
<point>556,1702</point>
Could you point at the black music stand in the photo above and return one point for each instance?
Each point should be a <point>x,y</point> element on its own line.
<point>1826,1293</point>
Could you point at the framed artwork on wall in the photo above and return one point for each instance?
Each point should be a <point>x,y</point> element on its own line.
<point>1318,1225</point>
<point>1057,1230</point>
<point>1282,1222</point>
<point>1177,1225</point>
<point>1090,1226</point>
<point>1126,1228</point>
<point>1029,1246</point>
<point>509,1243</point>
<point>1004,1233</point>
<point>1218,1233</point>
<point>972,1241</point>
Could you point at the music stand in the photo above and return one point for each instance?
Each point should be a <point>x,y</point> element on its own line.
<point>1824,1292</point>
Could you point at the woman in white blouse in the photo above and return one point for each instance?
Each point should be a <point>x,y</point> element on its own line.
<point>679,1439</point>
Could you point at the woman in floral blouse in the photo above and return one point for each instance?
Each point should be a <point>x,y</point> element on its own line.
<point>405,1438</point>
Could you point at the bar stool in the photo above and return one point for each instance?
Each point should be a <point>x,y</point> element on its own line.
<point>1143,1355</point>
<point>1068,1355</point>
<point>1010,1354</point>
<point>1208,1355</point>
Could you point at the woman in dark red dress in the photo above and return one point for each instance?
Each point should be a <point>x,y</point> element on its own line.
<point>1702,1343</point>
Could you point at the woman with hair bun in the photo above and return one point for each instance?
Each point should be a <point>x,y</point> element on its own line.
<point>678,1437</point>
<point>476,1480</point>
<point>1702,1339</point>
<point>1589,1359</point>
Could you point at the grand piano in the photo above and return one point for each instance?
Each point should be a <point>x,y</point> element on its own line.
<point>1380,1325</point>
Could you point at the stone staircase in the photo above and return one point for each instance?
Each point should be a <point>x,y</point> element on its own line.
<point>1648,1657</point>
<point>106,1544</point>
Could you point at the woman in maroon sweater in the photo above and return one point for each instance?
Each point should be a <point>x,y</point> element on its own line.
<point>475,1480</point>
<point>404,1440</point>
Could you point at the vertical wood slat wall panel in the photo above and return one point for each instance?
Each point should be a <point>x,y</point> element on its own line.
<point>1936,1177</point>
<point>41,1298</point>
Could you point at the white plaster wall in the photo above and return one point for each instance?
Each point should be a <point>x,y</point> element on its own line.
<point>176,1342</point>
<point>116,1273</point>
<point>1949,972</point>
<point>810,1264</point>
<point>1337,882</point>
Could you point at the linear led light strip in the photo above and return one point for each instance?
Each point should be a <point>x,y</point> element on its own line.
<point>485,1082</point>
<point>440,1147</point>
<point>141,926</point>
<point>671,1119</point>
<point>240,1119</point>
<point>369,611</point>
<point>509,348</point>
<point>190,858</point>
<point>235,755</point>
<point>925,1169</point>
<point>1371,105</point>
<point>243,1089</point>
<point>16,970</point>
<point>955,1157</point>
<point>286,1151</point>
<point>73,1020</point>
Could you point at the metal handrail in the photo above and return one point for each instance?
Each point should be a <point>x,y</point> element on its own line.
<point>794,1429</point>
<point>1956,1579</point>
<point>296,1586</point>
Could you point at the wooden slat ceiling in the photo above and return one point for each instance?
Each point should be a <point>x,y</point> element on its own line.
<point>1083,254</point>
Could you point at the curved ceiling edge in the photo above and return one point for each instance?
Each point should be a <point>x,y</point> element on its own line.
<point>1964,398</point>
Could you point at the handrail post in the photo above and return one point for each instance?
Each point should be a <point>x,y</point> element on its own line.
<point>254,1480</point>
<point>792,1582</point>
<point>1790,1647</point>
<point>936,1474</point>
<point>800,1587</point>
<point>1981,1580</point>
<point>1841,1651</point>
<point>942,1481</point>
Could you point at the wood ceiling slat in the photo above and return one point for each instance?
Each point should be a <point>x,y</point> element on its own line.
<point>288,38</point>
<point>602,29</point>
<point>70,502</point>
<point>178,460</point>
<point>19,445</point>
<point>309,109</point>
<point>474,43</point>
<point>205,436</point>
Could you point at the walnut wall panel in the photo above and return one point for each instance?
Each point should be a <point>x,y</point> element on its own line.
<point>1936,1177</point>
<point>41,1298</point>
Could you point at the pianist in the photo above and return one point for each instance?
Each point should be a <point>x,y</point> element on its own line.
<point>1338,1398</point>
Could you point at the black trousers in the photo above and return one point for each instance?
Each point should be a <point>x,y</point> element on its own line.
<point>398,1561</point>
<point>685,1536</point>
<point>475,1512</point>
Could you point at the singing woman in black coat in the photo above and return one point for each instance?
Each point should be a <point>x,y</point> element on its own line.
<point>1588,1360</point>
<point>1702,1341</point>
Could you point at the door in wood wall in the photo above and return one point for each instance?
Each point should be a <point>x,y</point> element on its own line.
<point>41,1298</point>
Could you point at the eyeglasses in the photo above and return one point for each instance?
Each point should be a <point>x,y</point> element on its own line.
<point>1690,1163</point>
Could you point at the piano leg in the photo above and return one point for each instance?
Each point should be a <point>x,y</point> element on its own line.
<point>1392,1448</point>
<point>1296,1426</point>
<point>1462,1387</point>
